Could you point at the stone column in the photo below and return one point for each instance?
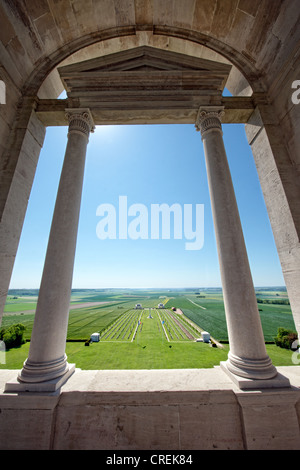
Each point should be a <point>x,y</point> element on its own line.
<point>280,183</point>
<point>47,366</point>
<point>247,358</point>
<point>17,169</point>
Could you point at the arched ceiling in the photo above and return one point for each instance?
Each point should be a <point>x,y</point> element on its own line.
<point>259,36</point>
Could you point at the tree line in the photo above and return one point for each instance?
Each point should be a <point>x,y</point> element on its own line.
<point>273,301</point>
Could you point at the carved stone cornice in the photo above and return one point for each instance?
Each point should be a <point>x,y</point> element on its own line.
<point>209,119</point>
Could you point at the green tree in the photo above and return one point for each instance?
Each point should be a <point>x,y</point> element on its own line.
<point>285,338</point>
<point>13,336</point>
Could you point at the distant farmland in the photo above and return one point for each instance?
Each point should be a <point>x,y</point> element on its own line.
<point>149,337</point>
<point>204,307</point>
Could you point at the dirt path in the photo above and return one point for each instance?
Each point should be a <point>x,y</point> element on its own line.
<point>88,304</point>
<point>197,305</point>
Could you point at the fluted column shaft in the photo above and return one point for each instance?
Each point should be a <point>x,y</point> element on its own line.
<point>247,357</point>
<point>47,359</point>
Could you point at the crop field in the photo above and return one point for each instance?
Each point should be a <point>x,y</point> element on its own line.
<point>207,311</point>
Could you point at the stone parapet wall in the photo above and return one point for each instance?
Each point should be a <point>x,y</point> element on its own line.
<point>152,410</point>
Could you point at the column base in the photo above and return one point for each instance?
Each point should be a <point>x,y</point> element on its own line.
<point>251,368</point>
<point>34,372</point>
<point>246,383</point>
<point>48,386</point>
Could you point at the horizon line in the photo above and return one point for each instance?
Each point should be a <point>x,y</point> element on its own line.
<point>153,287</point>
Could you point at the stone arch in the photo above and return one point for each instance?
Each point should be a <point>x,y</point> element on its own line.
<point>245,72</point>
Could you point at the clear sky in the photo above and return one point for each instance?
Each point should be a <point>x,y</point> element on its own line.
<point>151,164</point>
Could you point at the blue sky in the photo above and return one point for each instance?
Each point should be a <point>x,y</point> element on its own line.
<point>151,164</point>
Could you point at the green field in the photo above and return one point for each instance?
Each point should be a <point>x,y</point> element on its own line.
<point>156,354</point>
<point>208,312</point>
<point>151,337</point>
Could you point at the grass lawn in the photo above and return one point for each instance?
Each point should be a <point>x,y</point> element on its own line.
<point>144,355</point>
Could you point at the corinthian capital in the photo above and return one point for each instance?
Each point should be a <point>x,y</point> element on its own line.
<point>80,121</point>
<point>208,119</point>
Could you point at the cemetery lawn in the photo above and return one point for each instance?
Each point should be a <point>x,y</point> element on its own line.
<point>113,356</point>
<point>178,356</point>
